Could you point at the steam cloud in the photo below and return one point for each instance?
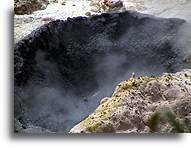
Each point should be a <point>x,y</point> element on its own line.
<point>49,105</point>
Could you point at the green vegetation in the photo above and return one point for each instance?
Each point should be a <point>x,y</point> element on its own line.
<point>178,126</point>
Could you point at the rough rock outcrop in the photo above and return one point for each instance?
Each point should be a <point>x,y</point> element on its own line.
<point>140,38</point>
<point>28,6</point>
<point>86,56</point>
<point>107,5</point>
<point>135,101</point>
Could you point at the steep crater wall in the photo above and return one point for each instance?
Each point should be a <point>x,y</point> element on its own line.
<point>63,69</point>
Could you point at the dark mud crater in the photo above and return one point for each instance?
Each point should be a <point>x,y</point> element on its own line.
<point>63,69</point>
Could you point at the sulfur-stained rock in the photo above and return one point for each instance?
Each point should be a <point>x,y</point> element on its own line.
<point>134,101</point>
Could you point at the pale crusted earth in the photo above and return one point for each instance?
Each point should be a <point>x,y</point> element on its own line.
<point>135,100</point>
<point>62,9</point>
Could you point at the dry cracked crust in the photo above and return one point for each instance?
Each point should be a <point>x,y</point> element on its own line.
<point>134,102</point>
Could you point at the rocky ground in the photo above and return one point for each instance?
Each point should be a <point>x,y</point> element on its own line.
<point>27,7</point>
<point>62,9</point>
<point>135,101</point>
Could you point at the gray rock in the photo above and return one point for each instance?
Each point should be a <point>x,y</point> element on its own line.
<point>27,7</point>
